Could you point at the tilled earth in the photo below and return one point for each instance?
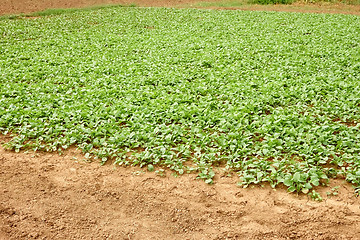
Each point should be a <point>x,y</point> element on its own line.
<point>28,6</point>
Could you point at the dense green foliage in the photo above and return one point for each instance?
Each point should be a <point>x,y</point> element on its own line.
<point>274,97</point>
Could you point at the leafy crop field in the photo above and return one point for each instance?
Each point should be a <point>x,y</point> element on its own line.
<point>272,97</point>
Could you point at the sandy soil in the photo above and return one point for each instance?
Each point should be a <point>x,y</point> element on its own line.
<point>51,196</point>
<point>28,6</point>
<point>330,8</point>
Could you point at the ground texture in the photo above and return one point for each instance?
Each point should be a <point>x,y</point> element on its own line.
<point>47,196</point>
<point>28,6</point>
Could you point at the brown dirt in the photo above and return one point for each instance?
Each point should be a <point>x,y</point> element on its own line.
<point>331,8</point>
<point>51,196</point>
<point>28,6</point>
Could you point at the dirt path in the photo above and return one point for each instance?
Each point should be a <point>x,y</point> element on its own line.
<point>28,6</point>
<point>47,196</point>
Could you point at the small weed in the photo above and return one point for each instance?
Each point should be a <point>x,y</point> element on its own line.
<point>315,196</point>
<point>150,168</point>
<point>207,175</point>
<point>160,172</point>
<point>333,192</point>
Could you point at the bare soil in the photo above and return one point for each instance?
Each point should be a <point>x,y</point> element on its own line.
<point>52,196</point>
<point>330,8</point>
<point>29,6</point>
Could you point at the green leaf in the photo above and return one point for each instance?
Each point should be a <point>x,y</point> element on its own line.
<point>209,181</point>
<point>305,190</point>
<point>296,177</point>
<point>288,182</point>
<point>150,168</point>
<point>292,189</point>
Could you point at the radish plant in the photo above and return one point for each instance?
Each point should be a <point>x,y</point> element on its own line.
<point>274,97</point>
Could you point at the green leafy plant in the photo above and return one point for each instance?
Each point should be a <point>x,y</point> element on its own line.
<point>333,192</point>
<point>273,97</point>
<point>315,196</point>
